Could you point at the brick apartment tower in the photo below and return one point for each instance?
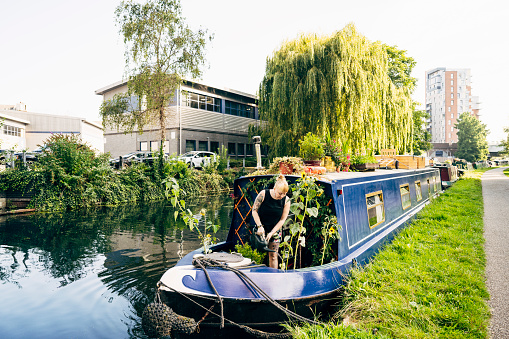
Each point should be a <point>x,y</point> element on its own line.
<point>448,94</point>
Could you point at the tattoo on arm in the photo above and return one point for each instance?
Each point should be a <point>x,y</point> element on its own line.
<point>258,202</point>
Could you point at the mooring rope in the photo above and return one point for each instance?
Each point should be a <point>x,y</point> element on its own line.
<point>255,332</point>
<point>199,263</point>
<point>203,262</point>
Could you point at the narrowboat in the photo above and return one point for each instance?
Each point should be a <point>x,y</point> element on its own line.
<point>448,174</point>
<point>371,208</point>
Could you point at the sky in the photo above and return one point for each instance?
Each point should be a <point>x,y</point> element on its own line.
<point>56,53</point>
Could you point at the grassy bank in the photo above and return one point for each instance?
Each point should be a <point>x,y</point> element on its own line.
<point>428,283</point>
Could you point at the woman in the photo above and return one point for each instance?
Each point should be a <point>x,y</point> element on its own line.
<point>270,210</point>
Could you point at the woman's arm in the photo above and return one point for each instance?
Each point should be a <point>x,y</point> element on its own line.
<point>254,212</point>
<point>277,227</point>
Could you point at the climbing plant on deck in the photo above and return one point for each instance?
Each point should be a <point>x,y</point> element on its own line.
<point>341,83</point>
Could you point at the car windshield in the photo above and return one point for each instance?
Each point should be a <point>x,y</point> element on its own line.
<point>188,154</point>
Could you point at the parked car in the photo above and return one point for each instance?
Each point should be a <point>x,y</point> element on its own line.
<point>197,159</point>
<point>135,157</point>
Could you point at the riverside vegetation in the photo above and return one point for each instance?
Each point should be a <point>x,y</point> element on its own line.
<point>69,175</point>
<point>428,283</point>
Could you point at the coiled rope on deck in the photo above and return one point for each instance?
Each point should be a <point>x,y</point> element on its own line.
<point>203,263</point>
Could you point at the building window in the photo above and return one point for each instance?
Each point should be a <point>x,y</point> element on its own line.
<point>200,101</point>
<point>452,102</point>
<point>450,135</point>
<point>143,145</point>
<point>241,110</point>
<point>449,122</point>
<point>166,148</point>
<point>11,130</point>
<point>240,149</point>
<point>249,150</point>
<point>452,128</point>
<point>203,146</point>
<point>190,145</point>
<point>449,109</point>
<point>154,146</point>
<point>452,95</point>
<point>459,95</point>
<point>452,75</point>
<point>452,82</point>
<point>214,146</point>
<point>231,148</point>
<point>375,205</point>
<point>404,190</point>
<point>452,115</point>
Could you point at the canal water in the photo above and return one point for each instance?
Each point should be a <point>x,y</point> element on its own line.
<point>90,273</point>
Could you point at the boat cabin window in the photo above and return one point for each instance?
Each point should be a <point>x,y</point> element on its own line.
<point>405,196</point>
<point>375,205</point>
<point>418,191</point>
<point>436,184</point>
<point>429,188</point>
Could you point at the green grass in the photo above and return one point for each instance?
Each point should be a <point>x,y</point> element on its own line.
<point>506,172</point>
<point>429,282</point>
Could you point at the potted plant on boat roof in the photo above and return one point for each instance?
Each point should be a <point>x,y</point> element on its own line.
<point>364,162</point>
<point>332,152</point>
<point>311,149</point>
<point>286,165</point>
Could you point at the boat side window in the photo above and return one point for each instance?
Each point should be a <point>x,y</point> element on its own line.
<point>429,188</point>
<point>405,196</point>
<point>376,211</point>
<point>436,184</point>
<point>418,192</point>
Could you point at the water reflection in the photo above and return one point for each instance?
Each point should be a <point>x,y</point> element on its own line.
<point>90,273</point>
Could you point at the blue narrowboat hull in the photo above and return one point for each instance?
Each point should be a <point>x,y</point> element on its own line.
<point>371,207</point>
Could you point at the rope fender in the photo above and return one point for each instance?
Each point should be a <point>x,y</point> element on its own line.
<point>159,320</point>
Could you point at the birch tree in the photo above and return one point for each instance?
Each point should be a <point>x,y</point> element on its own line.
<point>160,49</point>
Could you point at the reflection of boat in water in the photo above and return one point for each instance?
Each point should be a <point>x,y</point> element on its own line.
<point>371,207</point>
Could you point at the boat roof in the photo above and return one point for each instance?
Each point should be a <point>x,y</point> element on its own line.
<point>333,176</point>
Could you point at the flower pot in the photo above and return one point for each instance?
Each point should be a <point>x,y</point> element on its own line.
<point>365,167</point>
<point>285,168</point>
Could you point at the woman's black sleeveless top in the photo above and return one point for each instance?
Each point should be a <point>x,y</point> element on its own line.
<point>270,211</point>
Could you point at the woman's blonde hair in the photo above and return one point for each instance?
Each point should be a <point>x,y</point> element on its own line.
<point>281,184</point>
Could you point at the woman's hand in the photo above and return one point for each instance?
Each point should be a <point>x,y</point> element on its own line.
<point>261,231</point>
<point>269,236</point>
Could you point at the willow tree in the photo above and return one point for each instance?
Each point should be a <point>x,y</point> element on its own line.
<point>160,50</point>
<point>341,84</point>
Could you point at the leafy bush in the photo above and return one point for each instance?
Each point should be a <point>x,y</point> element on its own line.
<point>70,175</point>
<point>311,147</point>
<point>248,252</point>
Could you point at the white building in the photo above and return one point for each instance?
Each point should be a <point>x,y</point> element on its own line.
<point>448,95</point>
<point>12,132</point>
<point>24,130</point>
<point>201,118</point>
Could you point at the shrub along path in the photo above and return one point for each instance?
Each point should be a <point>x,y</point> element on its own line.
<point>495,187</point>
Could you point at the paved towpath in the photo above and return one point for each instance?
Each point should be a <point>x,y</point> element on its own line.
<point>495,189</point>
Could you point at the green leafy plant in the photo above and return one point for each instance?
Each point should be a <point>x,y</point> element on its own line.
<point>297,164</point>
<point>248,252</point>
<point>304,191</point>
<point>330,232</point>
<point>172,191</point>
<point>311,147</point>
<point>358,159</point>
